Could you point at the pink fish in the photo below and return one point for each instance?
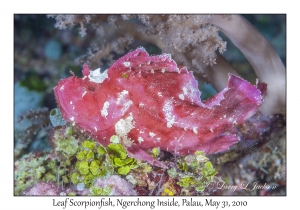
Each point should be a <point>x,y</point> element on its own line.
<point>148,101</point>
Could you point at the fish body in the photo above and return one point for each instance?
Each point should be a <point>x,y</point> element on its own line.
<point>148,101</point>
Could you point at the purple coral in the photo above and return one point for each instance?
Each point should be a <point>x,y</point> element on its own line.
<point>43,188</point>
<point>118,185</point>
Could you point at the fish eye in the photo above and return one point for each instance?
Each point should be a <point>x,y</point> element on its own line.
<point>91,88</point>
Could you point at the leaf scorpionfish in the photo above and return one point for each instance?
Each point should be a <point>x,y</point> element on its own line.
<point>149,101</point>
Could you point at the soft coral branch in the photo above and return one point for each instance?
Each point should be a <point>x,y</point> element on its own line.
<point>261,55</point>
<point>217,74</point>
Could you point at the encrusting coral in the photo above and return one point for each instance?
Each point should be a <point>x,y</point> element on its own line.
<point>35,174</point>
<point>103,170</point>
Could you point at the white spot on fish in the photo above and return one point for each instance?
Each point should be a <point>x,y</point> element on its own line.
<point>163,70</point>
<point>181,96</point>
<point>152,134</point>
<point>62,87</point>
<point>126,106</point>
<point>141,105</point>
<point>184,89</point>
<point>169,124</point>
<point>159,94</point>
<point>140,139</point>
<point>84,93</point>
<point>72,118</point>
<point>123,127</point>
<point>96,129</point>
<point>104,111</point>
<point>98,77</point>
<point>127,64</point>
<point>167,108</point>
<point>195,130</point>
<point>121,96</point>
<point>124,101</point>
